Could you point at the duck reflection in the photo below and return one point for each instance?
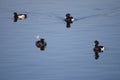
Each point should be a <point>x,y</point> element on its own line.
<point>68,19</point>
<point>41,44</point>
<point>97,49</point>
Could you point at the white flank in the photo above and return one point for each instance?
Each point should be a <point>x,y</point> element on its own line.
<point>102,49</point>
<point>72,19</point>
<point>21,17</point>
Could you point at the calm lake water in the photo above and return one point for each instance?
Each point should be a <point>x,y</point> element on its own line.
<point>69,53</point>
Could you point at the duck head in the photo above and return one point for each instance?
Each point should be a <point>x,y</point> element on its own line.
<point>96,43</point>
<point>67,15</point>
<point>15,16</point>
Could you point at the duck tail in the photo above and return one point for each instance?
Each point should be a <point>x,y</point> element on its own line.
<point>25,15</point>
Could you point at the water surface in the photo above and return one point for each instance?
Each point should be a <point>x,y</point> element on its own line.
<point>69,54</point>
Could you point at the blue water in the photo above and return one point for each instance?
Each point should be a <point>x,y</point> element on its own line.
<point>69,53</point>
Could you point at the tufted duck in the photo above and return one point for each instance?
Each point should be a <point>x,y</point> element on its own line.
<point>68,19</point>
<point>41,44</point>
<point>19,16</point>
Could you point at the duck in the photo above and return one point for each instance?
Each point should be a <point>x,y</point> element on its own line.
<point>97,47</point>
<point>41,44</point>
<point>68,19</point>
<point>19,16</point>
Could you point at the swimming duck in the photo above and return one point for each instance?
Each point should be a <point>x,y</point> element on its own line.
<point>68,19</point>
<point>41,44</point>
<point>19,16</point>
<point>98,48</point>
